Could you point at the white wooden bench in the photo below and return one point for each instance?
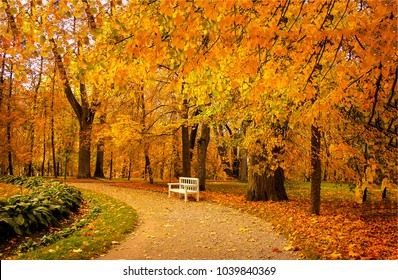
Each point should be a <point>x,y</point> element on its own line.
<point>186,186</point>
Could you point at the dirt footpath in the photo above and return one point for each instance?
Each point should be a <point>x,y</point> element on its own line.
<point>170,229</point>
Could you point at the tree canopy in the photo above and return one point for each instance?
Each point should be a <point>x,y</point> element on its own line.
<point>309,87</point>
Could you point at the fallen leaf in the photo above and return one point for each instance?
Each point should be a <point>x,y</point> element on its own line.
<point>335,256</point>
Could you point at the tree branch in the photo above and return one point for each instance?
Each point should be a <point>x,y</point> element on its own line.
<point>378,84</point>
<point>67,88</point>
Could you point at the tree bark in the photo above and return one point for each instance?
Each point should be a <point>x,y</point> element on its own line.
<point>84,170</point>
<point>202,145</point>
<point>186,161</point>
<point>186,157</point>
<point>129,171</point>
<point>10,165</point>
<point>2,84</point>
<point>316,174</point>
<point>148,172</point>
<point>55,169</point>
<point>9,128</point>
<point>192,140</point>
<point>99,162</point>
<point>243,167</point>
<point>267,185</point>
<point>111,166</point>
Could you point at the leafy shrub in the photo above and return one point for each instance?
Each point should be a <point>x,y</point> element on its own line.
<point>46,205</point>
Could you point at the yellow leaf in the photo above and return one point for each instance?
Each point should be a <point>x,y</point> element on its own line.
<point>288,248</point>
<point>335,256</point>
<point>354,255</point>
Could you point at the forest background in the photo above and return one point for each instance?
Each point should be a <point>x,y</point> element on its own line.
<point>254,90</point>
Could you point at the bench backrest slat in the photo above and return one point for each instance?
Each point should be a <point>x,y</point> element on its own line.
<point>188,180</point>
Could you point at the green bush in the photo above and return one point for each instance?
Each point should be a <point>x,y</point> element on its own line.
<point>46,205</point>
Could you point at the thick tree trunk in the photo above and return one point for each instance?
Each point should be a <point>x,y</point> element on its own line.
<point>269,185</point>
<point>243,167</point>
<point>203,143</point>
<point>84,170</point>
<point>316,175</point>
<point>99,162</point>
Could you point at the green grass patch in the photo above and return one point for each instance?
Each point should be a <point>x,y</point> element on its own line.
<point>96,237</point>
<point>232,187</point>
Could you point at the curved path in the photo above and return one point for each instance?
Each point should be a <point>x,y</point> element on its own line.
<point>170,229</point>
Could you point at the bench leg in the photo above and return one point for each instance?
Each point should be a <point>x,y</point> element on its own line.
<point>197,196</point>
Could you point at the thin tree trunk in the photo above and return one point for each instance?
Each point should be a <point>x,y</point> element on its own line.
<point>202,145</point>
<point>148,169</point>
<point>55,169</point>
<point>99,162</point>
<point>192,140</point>
<point>186,157</point>
<point>186,161</point>
<point>316,175</point>
<point>44,143</point>
<point>10,165</point>
<point>66,165</point>
<point>9,127</point>
<point>129,171</point>
<point>175,168</point>
<point>111,166</point>
<point>2,84</point>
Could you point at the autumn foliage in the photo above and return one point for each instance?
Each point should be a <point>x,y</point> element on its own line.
<point>257,90</point>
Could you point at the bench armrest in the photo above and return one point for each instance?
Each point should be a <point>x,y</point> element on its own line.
<point>173,184</point>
